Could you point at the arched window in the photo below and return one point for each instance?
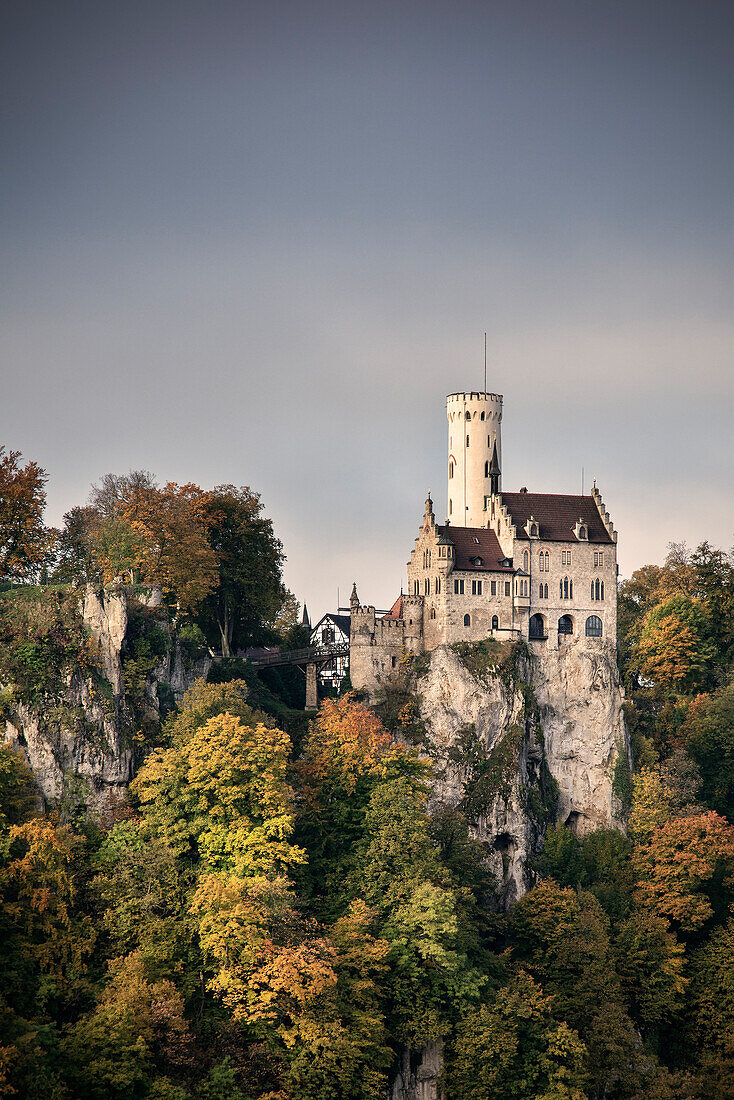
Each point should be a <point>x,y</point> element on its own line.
<point>594,627</point>
<point>582,532</point>
<point>525,560</point>
<point>482,417</point>
<point>432,613</point>
<point>545,591</point>
<point>450,506</point>
<point>597,589</point>
<point>566,589</point>
<point>451,469</point>
<point>565,625</point>
<point>495,623</point>
<point>467,620</point>
<point>468,416</point>
<point>536,627</point>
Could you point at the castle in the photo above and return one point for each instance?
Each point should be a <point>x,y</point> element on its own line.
<point>537,566</point>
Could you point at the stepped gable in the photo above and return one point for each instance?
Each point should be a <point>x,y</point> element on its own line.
<point>557,515</point>
<point>474,543</point>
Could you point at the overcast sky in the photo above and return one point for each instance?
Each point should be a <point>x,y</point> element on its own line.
<point>260,242</point>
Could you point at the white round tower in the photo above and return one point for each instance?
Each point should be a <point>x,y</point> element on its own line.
<point>475,455</point>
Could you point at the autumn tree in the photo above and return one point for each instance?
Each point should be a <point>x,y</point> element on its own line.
<point>708,734</point>
<point>561,937</point>
<point>674,650</point>
<point>25,544</point>
<point>249,560</point>
<point>514,1047</point>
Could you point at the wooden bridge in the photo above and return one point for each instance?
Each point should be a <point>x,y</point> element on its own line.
<point>309,660</point>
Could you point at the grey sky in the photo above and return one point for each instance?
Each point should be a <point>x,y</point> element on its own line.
<point>259,243</point>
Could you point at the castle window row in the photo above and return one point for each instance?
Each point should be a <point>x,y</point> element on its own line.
<point>521,588</point>
<point>593,627</point>
<point>597,589</point>
<point>542,591</point>
<point>566,589</point>
<point>477,587</point>
<point>427,587</point>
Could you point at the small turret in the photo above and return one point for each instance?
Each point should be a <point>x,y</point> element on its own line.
<point>354,599</point>
<point>494,472</point>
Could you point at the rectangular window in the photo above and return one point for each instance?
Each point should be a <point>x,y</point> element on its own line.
<point>598,558</point>
<point>507,588</point>
<point>493,587</point>
<point>438,585</point>
<point>427,587</point>
<point>458,588</point>
<point>565,557</point>
<point>476,588</point>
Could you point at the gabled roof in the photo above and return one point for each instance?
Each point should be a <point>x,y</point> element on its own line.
<point>342,621</point>
<point>476,549</point>
<point>396,611</point>
<point>556,515</point>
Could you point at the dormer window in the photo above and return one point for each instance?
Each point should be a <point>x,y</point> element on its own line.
<point>477,561</point>
<point>581,531</point>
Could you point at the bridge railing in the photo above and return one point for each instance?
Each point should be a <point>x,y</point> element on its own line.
<point>301,656</point>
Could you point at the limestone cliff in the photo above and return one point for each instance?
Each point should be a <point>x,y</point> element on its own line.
<point>78,739</point>
<point>517,742</point>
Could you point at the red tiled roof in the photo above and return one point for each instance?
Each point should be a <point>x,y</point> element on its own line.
<point>556,514</point>
<point>478,543</point>
<point>396,611</point>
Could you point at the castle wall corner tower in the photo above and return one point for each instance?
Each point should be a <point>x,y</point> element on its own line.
<point>475,455</point>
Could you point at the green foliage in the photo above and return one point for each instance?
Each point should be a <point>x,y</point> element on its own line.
<point>708,731</point>
<point>42,642</point>
<point>514,1048</point>
<point>489,657</point>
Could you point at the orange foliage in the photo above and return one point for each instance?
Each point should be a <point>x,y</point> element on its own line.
<point>680,858</point>
<point>346,742</point>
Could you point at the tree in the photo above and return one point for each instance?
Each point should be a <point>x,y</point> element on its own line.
<point>249,562</point>
<point>560,936</point>
<point>674,650</point>
<point>683,864</point>
<point>136,1030</point>
<point>514,1048</point>
<point>711,1036</point>
<point>222,798</point>
<point>708,734</point>
<point>25,544</point>
<point>649,962</point>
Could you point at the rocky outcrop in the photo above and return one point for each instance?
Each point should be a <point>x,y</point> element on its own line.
<point>522,742</point>
<point>419,1073</point>
<point>579,695</point>
<point>517,744</point>
<point>79,745</point>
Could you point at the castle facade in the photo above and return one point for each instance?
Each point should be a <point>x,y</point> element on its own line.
<point>537,566</point>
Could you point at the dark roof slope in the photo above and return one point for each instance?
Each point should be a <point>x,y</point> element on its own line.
<point>476,549</point>
<point>556,514</point>
<point>344,622</point>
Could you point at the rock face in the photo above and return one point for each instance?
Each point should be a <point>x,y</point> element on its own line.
<point>418,1075</point>
<point>518,746</point>
<point>79,746</point>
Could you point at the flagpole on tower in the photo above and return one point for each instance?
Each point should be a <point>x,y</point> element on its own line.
<point>485,362</point>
